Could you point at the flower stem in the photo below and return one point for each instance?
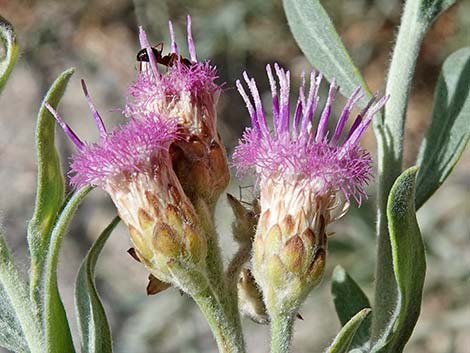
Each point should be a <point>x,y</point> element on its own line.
<point>225,296</point>
<point>390,135</point>
<point>214,259</point>
<point>224,326</point>
<point>282,326</point>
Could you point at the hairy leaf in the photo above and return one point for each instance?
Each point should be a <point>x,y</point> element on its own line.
<point>18,325</point>
<point>95,333</point>
<point>58,337</point>
<point>11,333</point>
<point>316,36</point>
<point>349,299</point>
<point>49,200</point>
<point>450,126</point>
<point>50,186</point>
<point>409,263</point>
<point>343,340</point>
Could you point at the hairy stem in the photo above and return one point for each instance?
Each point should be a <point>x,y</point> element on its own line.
<point>282,327</point>
<point>214,259</point>
<point>224,326</point>
<point>226,296</point>
<point>390,135</point>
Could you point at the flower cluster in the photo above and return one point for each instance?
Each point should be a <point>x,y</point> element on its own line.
<point>306,177</point>
<point>172,122</point>
<point>169,157</point>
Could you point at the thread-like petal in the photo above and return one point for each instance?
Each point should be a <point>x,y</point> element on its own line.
<point>296,149</point>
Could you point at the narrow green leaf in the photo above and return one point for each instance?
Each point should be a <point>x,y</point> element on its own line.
<point>50,184</point>
<point>50,190</point>
<point>349,299</point>
<point>409,263</point>
<point>316,36</point>
<point>95,333</point>
<point>58,337</point>
<point>449,131</point>
<point>18,326</point>
<point>8,40</point>
<point>343,340</point>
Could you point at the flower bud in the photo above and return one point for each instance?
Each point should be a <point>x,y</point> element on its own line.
<point>290,244</point>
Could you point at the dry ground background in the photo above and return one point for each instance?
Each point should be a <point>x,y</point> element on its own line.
<point>99,39</point>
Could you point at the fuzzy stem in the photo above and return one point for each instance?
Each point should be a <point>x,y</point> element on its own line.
<point>214,260</point>
<point>390,135</point>
<point>282,327</point>
<point>224,326</point>
<point>227,296</point>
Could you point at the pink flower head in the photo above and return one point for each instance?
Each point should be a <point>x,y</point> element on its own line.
<point>131,148</point>
<point>133,165</point>
<point>306,176</point>
<point>300,148</point>
<point>183,89</point>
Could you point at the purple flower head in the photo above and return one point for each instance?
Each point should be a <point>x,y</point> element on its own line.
<point>301,150</point>
<point>180,88</point>
<point>307,175</point>
<point>133,165</point>
<point>183,90</point>
<point>136,147</point>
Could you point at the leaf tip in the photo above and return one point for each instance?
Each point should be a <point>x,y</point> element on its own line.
<point>339,274</point>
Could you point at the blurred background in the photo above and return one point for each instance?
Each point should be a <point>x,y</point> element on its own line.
<point>99,39</point>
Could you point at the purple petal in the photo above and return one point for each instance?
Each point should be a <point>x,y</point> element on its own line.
<point>323,124</point>
<point>144,43</point>
<point>345,113</point>
<point>94,111</point>
<point>68,131</point>
<point>251,109</point>
<point>191,47</point>
<point>174,46</point>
